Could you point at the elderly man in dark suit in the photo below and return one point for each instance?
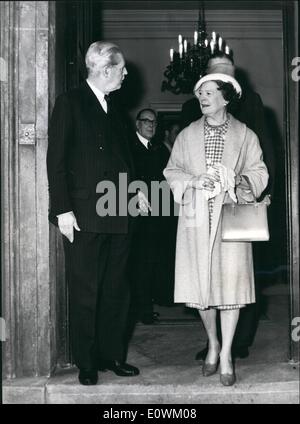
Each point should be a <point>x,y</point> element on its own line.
<point>147,268</point>
<point>87,146</point>
<point>249,110</point>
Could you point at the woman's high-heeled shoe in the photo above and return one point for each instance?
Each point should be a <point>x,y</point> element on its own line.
<point>228,379</point>
<point>209,369</point>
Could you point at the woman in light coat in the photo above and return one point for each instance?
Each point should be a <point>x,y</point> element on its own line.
<point>215,160</point>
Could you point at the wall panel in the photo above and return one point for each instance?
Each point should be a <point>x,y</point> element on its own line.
<point>147,35</point>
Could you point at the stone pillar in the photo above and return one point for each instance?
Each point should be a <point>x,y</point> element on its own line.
<point>25,229</point>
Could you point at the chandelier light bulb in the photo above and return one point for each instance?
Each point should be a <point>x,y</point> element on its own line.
<point>206,42</point>
<point>212,46</point>
<point>195,37</point>
<point>227,50</point>
<point>180,50</point>
<point>171,54</point>
<point>179,39</point>
<point>220,43</point>
<point>185,46</point>
<point>213,34</point>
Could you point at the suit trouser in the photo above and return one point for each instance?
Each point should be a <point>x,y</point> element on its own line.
<point>143,289</point>
<point>144,266</point>
<point>249,316</point>
<point>96,271</point>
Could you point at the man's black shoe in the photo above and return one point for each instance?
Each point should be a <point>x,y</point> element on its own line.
<point>119,368</point>
<point>88,377</point>
<point>150,319</point>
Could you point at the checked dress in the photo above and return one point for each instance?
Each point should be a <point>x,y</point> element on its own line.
<point>214,139</point>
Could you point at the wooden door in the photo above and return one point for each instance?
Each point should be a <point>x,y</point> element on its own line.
<point>74,33</point>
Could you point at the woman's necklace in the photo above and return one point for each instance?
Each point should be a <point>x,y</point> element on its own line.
<point>218,125</point>
<point>213,129</point>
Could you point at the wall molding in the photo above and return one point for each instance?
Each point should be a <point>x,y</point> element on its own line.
<point>9,192</point>
<point>166,106</point>
<point>167,24</point>
<point>24,193</point>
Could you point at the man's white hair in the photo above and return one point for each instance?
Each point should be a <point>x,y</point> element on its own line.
<point>101,54</point>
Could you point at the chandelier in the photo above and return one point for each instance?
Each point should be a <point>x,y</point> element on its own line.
<point>188,65</point>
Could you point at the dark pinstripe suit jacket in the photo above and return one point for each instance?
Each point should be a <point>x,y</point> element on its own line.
<point>86,146</point>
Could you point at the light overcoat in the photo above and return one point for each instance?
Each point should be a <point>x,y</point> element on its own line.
<point>208,271</point>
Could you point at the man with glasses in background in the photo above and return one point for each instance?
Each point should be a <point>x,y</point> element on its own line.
<point>150,158</point>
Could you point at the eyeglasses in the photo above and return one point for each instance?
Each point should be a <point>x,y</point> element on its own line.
<point>148,121</point>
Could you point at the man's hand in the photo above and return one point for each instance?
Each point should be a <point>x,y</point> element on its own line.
<point>66,223</point>
<point>144,205</point>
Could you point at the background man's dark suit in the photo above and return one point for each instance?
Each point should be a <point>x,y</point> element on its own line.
<point>146,258</point>
<point>86,146</point>
<point>249,110</point>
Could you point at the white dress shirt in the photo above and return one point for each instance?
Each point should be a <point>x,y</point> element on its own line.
<point>142,139</point>
<point>100,96</point>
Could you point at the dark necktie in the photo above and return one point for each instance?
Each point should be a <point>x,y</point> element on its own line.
<point>149,145</point>
<point>107,99</point>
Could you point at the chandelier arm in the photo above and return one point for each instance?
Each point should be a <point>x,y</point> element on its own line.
<point>189,64</point>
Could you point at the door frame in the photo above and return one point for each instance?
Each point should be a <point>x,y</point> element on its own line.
<point>290,10</point>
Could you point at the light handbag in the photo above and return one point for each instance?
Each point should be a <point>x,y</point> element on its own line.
<point>245,221</point>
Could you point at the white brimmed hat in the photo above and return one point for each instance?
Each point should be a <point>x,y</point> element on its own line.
<point>219,77</point>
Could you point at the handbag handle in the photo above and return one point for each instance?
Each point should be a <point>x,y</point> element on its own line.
<point>266,200</point>
<point>234,206</point>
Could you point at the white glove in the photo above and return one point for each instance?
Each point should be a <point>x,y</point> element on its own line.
<point>226,183</point>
